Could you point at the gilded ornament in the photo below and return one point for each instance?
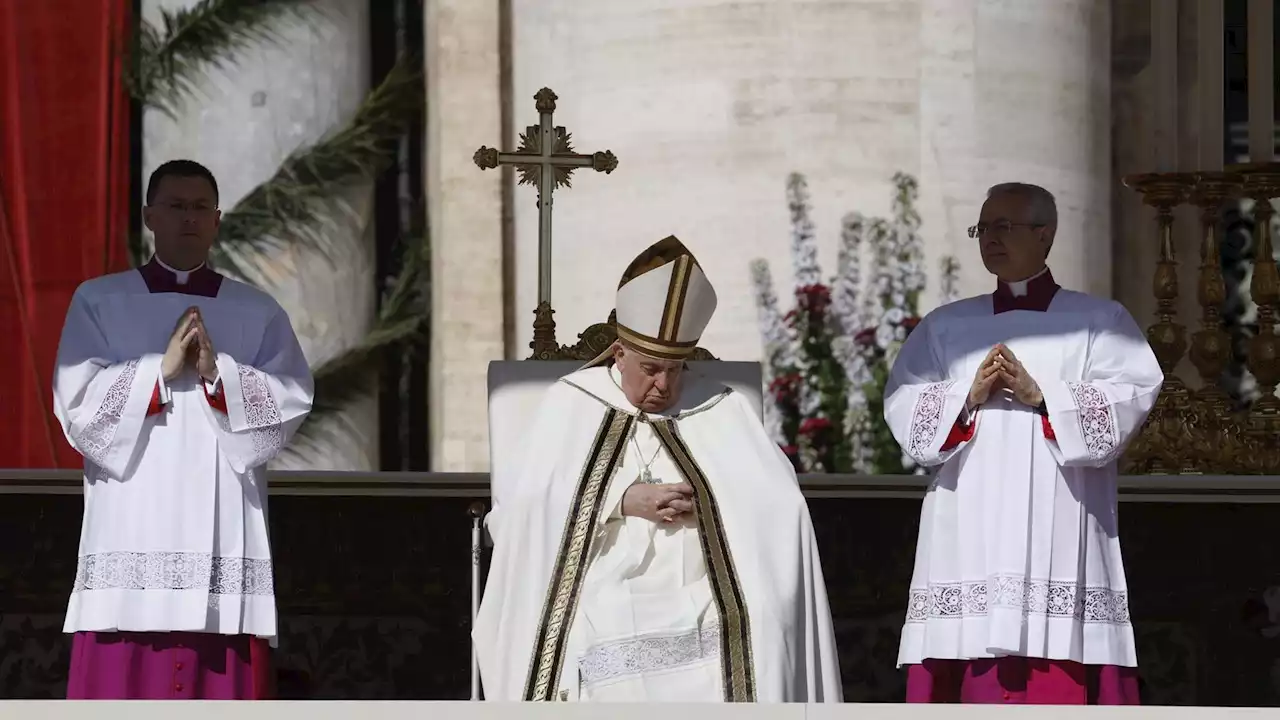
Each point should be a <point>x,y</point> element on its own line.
<point>1198,431</point>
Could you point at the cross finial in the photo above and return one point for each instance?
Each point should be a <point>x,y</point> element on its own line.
<point>545,100</point>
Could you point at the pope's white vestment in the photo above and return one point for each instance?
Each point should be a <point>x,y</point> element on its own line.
<point>584,604</point>
<point>1019,550</point>
<point>175,535</point>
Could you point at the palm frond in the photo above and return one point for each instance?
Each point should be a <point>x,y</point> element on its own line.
<point>167,61</point>
<point>293,203</point>
<point>401,324</point>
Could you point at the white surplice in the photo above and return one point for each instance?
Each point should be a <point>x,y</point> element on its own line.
<point>1018,552</point>
<point>175,536</point>
<point>643,618</point>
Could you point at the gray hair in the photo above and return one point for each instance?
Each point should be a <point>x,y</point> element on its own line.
<point>1040,202</point>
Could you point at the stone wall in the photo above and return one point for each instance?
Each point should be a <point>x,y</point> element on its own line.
<point>709,105</point>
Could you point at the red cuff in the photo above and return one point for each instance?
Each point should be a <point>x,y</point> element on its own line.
<point>959,434</point>
<point>155,406</point>
<point>217,400</point>
<point>1048,429</point>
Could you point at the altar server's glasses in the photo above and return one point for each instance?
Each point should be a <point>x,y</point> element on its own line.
<point>999,229</point>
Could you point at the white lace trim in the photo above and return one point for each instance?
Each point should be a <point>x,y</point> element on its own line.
<point>174,571</point>
<point>947,601</point>
<point>608,661</point>
<point>260,411</point>
<point>94,441</point>
<point>927,417</point>
<point>1097,420</point>
<point>261,414</point>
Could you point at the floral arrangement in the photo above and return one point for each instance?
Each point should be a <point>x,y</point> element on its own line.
<point>827,359</point>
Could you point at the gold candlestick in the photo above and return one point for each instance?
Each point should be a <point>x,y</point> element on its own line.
<point>1167,443</point>
<point>1261,183</point>
<point>1211,344</point>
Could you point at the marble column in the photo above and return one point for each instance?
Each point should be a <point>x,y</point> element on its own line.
<point>1131,139</point>
<point>1209,73</point>
<point>1134,247</point>
<point>242,123</point>
<point>465,211</point>
<point>1164,68</point>
<point>1262,80</point>
<point>710,104</point>
<point>1017,92</point>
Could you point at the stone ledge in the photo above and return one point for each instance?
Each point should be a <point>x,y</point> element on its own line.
<point>1133,488</point>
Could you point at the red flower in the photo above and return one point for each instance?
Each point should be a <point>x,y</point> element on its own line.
<point>814,425</point>
<point>866,338</point>
<point>789,449</point>
<point>813,298</point>
<point>784,381</point>
<point>785,387</point>
<point>817,290</point>
<point>911,323</point>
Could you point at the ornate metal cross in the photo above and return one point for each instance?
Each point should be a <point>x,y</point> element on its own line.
<point>546,159</point>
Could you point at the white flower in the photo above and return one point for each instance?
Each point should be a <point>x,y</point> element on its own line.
<point>847,317</point>
<point>804,250</point>
<point>776,335</point>
<point>884,336</point>
<point>808,456</point>
<point>777,342</point>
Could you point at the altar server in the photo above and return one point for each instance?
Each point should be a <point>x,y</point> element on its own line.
<point>177,385</point>
<point>653,544</point>
<point>1021,401</point>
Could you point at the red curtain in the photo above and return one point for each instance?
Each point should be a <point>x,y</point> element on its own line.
<point>64,196</point>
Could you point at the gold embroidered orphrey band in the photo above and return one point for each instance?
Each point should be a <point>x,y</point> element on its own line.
<point>571,563</point>
<point>737,670</point>
<point>560,607</point>
<point>677,291</point>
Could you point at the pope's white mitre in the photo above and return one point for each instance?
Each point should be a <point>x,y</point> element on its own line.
<point>664,301</point>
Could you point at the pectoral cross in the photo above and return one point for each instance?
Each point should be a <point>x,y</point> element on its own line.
<point>546,159</point>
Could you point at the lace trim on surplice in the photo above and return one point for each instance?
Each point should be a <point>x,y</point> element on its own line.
<point>174,571</point>
<point>608,661</point>
<point>948,601</point>
<point>261,414</point>
<point>94,442</point>
<point>1097,420</point>
<point>926,417</point>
